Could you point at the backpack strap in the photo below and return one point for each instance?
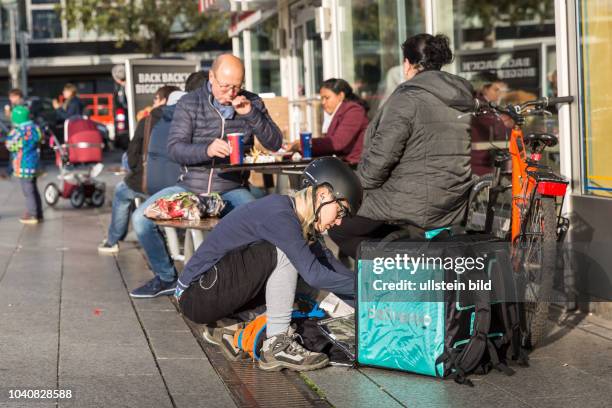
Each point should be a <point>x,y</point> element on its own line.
<point>470,357</point>
<point>495,361</point>
<point>518,352</point>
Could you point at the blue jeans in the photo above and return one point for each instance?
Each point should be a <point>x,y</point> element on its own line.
<point>122,201</point>
<point>151,238</point>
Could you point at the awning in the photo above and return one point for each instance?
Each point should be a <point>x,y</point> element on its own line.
<point>244,20</point>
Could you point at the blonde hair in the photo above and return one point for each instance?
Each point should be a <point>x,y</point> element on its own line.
<point>305,211</point>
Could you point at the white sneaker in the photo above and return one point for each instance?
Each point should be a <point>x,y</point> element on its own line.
<point>106,248</point>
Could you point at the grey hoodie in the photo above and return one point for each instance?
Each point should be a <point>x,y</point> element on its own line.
<point>415,166</point>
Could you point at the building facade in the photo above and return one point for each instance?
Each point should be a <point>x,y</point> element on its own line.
<point>57,54</point>
<point>542,48</point>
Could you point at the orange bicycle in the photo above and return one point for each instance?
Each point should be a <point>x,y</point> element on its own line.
<point>526,210</point>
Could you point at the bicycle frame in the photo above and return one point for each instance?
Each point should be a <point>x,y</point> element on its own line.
<point>526,183</point>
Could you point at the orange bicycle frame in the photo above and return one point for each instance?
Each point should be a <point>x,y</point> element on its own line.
<point>522,185</point>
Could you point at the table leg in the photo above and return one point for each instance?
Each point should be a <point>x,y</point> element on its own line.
<point>188,248</point>
<point>173,243</point>
<point>198,238</point>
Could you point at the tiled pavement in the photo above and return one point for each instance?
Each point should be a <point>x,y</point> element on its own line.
<point>67,322</point>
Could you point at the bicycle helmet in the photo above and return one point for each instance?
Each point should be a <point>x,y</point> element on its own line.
<point>20,114</point>
<point>341,179</point>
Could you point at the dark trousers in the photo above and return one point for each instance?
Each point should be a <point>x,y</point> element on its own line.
<point>349,235</point>
<point>32,197</point>
<point>236,283</point>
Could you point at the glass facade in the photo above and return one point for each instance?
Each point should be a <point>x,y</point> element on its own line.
<point>46,24</point>
<point>265,58</point>
<point>595,57</point>
<point>371,43</point>
<point>513,47</point>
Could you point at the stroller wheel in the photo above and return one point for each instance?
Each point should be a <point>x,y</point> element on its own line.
<point>77,197</point>
<point>97,198</point>
<point>52,194</point>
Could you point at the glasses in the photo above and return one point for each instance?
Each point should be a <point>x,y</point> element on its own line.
<point>227,87</point>
<point>342,211</point>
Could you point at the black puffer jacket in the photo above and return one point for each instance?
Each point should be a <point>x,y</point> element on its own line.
<point>415,166</point>
<point>134,153</point>
<point>196,123</point>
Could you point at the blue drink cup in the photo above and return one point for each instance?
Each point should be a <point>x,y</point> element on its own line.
<point>306,144</point>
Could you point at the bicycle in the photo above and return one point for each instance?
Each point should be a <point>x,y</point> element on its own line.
<point>535,227</point>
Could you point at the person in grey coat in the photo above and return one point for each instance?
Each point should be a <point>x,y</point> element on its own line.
<point>198,142</point>
<point>415,166</point>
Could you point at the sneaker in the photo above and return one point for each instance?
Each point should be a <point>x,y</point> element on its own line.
<point>227,347</point>
<point>153,288</point>
<point>283,351</point>
<point>213,333</point>
<point>28,220</point>
<point>106,248</point>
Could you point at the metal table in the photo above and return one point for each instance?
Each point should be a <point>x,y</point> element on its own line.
<point>194,235</point>
<point>292,169</point>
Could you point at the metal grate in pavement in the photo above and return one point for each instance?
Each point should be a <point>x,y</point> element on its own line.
<point>251,387</point>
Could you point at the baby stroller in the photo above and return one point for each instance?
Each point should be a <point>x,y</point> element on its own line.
<point>79,160</point>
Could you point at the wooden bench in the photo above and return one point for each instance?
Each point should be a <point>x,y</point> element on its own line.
<point>194,235</point>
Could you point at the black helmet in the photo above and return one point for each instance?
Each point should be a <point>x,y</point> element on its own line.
<point>339,176</point>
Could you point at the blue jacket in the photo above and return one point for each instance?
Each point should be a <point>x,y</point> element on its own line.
<point>197,123</point>
<point>274,220</point>
<point>74,108</point>
<point>162,171</point>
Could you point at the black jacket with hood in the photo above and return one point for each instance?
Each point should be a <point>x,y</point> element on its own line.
<point>415,166</point>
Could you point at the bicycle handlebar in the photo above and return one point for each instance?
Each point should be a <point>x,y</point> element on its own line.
<point>518,110</point>
<point>560,99</point>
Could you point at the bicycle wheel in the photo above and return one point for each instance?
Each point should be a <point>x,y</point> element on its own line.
<point>537,254</point>
<point>477,206</point>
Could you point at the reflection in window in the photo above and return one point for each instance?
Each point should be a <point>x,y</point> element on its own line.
<point>501,46</point>
<point>265,59</point>
<point>373,53</point>
<point>46,24</point>
<point>595,35</point>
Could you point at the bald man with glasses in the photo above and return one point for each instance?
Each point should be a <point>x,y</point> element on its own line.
<point>198,141</point>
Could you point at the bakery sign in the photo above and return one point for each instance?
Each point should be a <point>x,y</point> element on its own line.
<point>520,68</point>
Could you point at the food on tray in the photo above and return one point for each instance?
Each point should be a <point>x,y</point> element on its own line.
<point>258,156</point>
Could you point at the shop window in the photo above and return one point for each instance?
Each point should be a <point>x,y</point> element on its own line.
<point>46,24</point>
<point>508,46</point>
<point>265,58</point>
<point>375,30</point>
<point>595,36</point>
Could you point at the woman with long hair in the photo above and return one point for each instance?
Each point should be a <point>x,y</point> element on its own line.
<point>72,105</point>
<point>261,248</point>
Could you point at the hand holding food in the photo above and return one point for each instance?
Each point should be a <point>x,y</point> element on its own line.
<point>242,105</point>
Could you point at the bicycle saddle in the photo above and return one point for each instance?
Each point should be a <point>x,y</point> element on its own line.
<point>547,139</point>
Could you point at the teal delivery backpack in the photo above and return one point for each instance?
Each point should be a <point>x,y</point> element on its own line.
<point>439,333</point>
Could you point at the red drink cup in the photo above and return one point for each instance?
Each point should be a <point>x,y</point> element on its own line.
<point>237,147</point>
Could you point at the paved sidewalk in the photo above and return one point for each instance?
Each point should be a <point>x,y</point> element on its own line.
<point>67,322</point>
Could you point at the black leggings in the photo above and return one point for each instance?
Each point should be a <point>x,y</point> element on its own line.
<point>349,235</point>
<point>237,282</point>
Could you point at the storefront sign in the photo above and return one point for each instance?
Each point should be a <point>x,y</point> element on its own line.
<point>145,76</point>
<point>519,68</point>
